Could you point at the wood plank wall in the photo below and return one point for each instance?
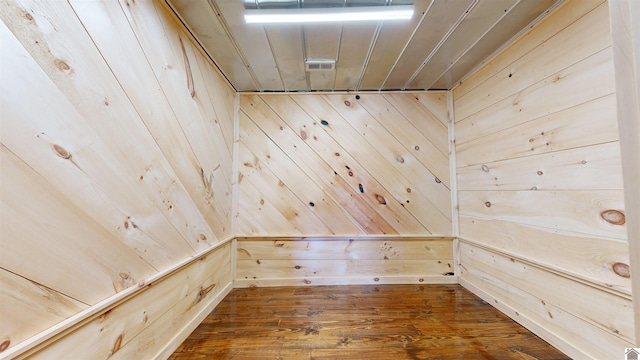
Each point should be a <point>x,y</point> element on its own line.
<point>116,146</point>
<point>344,189</point>
<point>368,164</point>
<point>344,261</point>
<point>542,224</point>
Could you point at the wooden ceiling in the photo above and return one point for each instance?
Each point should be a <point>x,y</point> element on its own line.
<point>444,41</point>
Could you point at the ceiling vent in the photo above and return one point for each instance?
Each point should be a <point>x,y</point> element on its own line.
<point>320,64</point>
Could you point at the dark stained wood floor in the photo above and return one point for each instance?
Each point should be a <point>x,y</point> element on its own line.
<point>360,322</point>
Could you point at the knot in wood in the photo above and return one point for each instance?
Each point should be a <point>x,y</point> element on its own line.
<point>400,159</point>
<point>621,269</point>
<point>61,65</point>
<point>5,345</point>
<point>61,152</point>
<point>614,217</point>
<point>485,168</point>
<point>347,103</point>
<point>487,204</point>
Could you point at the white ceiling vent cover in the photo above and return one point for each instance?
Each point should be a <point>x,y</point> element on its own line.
<point>320,64</point>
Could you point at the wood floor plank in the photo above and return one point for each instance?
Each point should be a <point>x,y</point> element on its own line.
<point>360,322</point>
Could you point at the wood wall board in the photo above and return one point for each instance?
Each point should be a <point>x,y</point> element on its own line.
<point>626,48</point>
<point>395,123</point>
<point>369,160</point>
<point>436,103</point>
<point>339,175</point>
<point>558,52</point>
<point>559,323</point>
<point>425,119</point>
<point>557,21</point>
<point>296,268</point>
<point>106,109</point>
<point>347,280</point>
<point>28,308</point>
<point>104,23</point>
<point>392,149</point>
<point>162,43</point>
<point>61,241</point>
<point>116,327</point>
<point>607,311</point>
<point>596,167</point>
<point>222,97</point>
<point>577,211</point>
<point>557,92</point>
<point>351,249</point>
<point>251,206</point>
<point>57,125</point>
<point>94,137</point>
<point>583,256</point>
<point>256,148</point>
<point>281,196</point>
<point>366,212</point>
<point>528,310</point>
<point>554,132</point>
<point>165,334</point>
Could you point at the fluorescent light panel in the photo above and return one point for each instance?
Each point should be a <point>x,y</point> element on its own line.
<point>372,13</point>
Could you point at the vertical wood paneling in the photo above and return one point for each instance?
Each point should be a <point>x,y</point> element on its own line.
<point>116,157</point>
<point>366,162</point>
<point>539,167</point>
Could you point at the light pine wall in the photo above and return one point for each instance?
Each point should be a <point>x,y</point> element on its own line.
<point>368,164</point>
<point>116,141</point>
<point>542,225</point>
<point>344,189</point>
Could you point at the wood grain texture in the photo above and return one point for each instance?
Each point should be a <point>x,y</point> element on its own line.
<point>541,297</point>
<point>122,168</point>
<point>360,168</point>
<point>339,261</point>
<point>542,211</point>
<point>356,322</point>
<point>107,334</point>
<point>626,53</point>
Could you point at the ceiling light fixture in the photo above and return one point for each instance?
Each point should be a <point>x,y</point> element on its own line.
<point>342,14</point>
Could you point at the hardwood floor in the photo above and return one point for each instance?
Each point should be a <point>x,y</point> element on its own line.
<point>360,322</point>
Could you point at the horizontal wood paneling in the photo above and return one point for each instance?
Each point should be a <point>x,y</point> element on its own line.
<point>125,330</point>
<point>357,164</point>
<point>584,256</point>
<point>335,260</point>
<point>557,304</point>
<point>541,199</point>
<point>116,157</point>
